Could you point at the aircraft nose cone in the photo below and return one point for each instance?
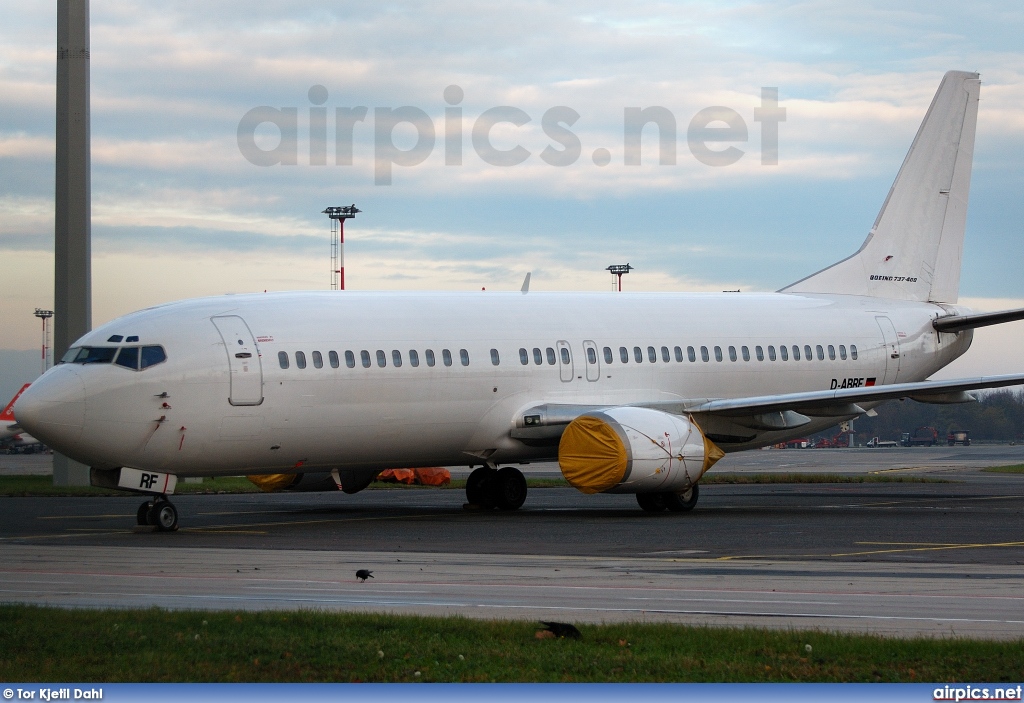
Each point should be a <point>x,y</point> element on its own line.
<point>52,409</point>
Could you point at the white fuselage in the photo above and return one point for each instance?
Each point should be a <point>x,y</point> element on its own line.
<point>190,416</point>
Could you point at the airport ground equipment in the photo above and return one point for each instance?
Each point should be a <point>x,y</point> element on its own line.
<point>959,437</point>
<point>920,437</point>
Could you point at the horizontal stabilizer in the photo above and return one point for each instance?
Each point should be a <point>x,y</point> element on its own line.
<point>958,323</point>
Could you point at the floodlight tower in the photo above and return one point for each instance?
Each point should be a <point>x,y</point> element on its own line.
<point>617,270</point>
<point>45,316</point>
<point>338,216</point>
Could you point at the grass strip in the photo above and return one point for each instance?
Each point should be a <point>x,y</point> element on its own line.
<point>1015,469</point>
<point>54,645</point>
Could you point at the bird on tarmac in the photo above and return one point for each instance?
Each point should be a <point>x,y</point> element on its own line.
<point>562,629</point>
<point>364,574</point>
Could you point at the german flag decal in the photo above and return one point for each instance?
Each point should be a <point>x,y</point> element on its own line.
<point>869,382</point>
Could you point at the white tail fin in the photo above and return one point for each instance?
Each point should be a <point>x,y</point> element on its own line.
<point>913,251</point>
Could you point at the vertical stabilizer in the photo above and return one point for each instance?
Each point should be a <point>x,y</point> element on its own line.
<point>914,249</point>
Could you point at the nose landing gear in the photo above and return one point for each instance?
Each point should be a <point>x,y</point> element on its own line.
<point>159,513</point>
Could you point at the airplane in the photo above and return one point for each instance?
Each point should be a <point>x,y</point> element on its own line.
<point>12,437</point>
<point>632,393</point>
<point>8,426</point>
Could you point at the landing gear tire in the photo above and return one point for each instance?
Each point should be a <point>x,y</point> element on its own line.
<point>163,515</point>
<point>682,502</point>
<point>478,487</point>
<point>509,488</point>
<point>142,515</point>
<point>651,502</point>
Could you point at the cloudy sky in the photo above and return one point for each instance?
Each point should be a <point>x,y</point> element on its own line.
<point>180,211</point>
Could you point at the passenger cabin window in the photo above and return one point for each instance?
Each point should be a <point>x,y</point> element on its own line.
<point>732,353</point>
<point>333,358</point>
<point>446,357</point>
<point>128,358</point>
<point>495,359</point>
<point>565,355</point>
<point>638,355</point>
<point>538,357</point>
<point>652,355</point>
<point>807,352</point>
<point>364,356</point>
<point>464,357</point>
<point>679,354</point>
<point>665,355</point>
<point>608,355</point>
<point>831,352</point>
<point>318,360</point>
<point>591,355</point>
<point>842,352</point>
<point>771,352</point>
<point>282,359</point>
<point>350,359</point>
<point>691,354</point>
<point>704,354</point>
<point>382,358</point>
<point>551,356</point>
<point>624,355</point>
<point>784,352</point>
<point>796,353</point>
<point>524,357</point>
<point>718,353</point>
<point>429,353</point>
<point>414,358</point>
<point>746,353</point>
<point>300,360</point>
<point>853,352</point>
<point>396,358</point>
<point>759,352</point>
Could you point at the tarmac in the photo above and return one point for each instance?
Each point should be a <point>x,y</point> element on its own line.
<point>936,559</point>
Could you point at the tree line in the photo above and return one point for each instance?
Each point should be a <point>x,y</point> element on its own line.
<point>997,416</point>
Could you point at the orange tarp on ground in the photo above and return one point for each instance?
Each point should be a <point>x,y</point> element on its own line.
<point>433,476</point>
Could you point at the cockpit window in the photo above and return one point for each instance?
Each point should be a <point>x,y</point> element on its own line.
<point>152,355</point>
<point>128,357</point>
<point>115,338</point>
<point>89,355</point>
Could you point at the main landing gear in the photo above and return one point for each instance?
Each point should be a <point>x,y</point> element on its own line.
<point>673,502</point>
<point>159,513</point>
<point>490,487</point>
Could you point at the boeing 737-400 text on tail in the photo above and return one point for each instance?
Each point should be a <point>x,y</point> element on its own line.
<point>632,393</point>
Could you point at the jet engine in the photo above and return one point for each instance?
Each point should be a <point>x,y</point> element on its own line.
<point>634,450</point>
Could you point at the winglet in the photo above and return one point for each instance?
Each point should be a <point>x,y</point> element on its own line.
<point>526,283</point>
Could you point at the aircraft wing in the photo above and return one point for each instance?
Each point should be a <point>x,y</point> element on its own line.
<point>836,402</point>
<point>544,423</point>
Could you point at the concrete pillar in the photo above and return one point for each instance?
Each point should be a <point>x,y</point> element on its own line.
<point>72,305</point>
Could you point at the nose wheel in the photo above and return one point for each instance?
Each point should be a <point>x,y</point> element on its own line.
<point>673,502</point>
<point>159,513</point>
